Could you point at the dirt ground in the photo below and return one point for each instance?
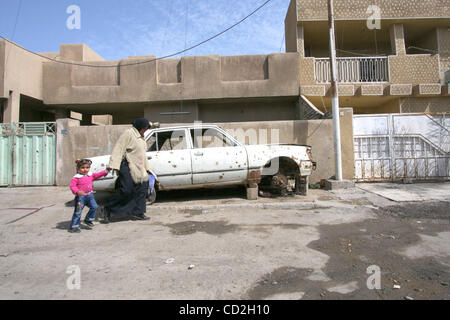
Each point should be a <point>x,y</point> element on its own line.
<point>214,244</point>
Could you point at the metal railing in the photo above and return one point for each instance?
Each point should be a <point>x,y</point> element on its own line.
<point>361,69</point>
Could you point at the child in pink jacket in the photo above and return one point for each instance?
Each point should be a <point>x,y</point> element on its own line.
<point>82,187</point>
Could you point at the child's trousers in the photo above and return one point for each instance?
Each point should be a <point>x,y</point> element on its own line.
<point>80,202</point>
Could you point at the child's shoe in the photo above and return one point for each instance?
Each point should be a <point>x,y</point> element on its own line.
<point>74,230</point>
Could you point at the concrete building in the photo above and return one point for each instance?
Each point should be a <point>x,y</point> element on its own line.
<point>208,88</point>
<point>394,67</point>
<point>397,68</point>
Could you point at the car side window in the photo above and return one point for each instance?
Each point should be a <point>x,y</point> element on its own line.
<point>210,138</point>
<point>172,140</point>
<point>151,143</point>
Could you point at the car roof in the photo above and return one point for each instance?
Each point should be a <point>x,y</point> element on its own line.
<point>194,126</point>
<point>186,127</point>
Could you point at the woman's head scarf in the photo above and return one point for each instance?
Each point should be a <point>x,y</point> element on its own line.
<point>140,123</point>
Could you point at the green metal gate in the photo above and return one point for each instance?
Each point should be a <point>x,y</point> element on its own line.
<point>27,153</point>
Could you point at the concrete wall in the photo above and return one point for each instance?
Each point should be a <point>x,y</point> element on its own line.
<point>20,73</point>
<point>202,77</point>
<point>413,104</point>
<point>290,28</point>
<point>414,69</point>
<point>247,111</point>
<point>356,9</point>
<point>443,35</point>
<point>78,52</point>
<point>75,142</point>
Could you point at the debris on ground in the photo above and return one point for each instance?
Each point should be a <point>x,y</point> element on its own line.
<point>264,194</point>
<point>192,266</point>
<point>170,260</point>
<point>314,185</point>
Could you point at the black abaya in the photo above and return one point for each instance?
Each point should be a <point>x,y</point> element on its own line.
<point>130,197</point>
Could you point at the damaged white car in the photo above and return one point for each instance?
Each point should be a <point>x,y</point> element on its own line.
<point>189,157</point>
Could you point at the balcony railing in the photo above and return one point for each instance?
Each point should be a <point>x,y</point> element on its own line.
<point>361,69</point>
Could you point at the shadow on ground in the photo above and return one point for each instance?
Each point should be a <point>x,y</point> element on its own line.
<point>353,247</point>
<point>201,194</point>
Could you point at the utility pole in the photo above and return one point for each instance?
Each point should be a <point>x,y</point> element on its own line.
<point>334,95</point>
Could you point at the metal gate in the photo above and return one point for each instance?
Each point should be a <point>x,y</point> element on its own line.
<point>390,147</point>
<point>27,153</point>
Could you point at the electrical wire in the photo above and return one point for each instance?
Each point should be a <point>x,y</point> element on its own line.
<point>423,49</point>
<point>14,29</point>
<point>186,23</point>
<point>17,19</point>
<point>282,42</point>
<point>355,53</point>
<point>146,61</point>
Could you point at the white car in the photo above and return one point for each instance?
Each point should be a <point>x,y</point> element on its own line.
<point>189,157</point>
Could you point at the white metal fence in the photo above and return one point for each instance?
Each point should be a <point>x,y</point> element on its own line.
<point>361,69</point>
<point>396,146</point>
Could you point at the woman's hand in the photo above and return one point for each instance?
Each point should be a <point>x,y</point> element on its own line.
<point>81,193</point>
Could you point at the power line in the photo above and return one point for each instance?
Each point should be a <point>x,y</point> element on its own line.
<point>14,29</point>
<point>17,19</point>
<point>146,61</point>
<point>282,41</point>
<point>186,23</point>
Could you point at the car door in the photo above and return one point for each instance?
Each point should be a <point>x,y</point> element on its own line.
<point>216,158</point>
<point>170,158</point>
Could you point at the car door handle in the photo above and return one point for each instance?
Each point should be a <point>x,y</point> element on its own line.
<point>198,154</point>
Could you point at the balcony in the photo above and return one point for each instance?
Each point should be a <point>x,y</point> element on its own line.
<point>353,70</point>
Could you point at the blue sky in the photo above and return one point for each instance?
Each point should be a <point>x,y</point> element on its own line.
<point>117,28</point>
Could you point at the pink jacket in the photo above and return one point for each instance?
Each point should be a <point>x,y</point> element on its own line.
<point>84,182</point>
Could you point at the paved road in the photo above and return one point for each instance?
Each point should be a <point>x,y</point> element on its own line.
<point>315,247</point>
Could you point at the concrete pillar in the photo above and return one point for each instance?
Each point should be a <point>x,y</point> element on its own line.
<point>397,39</point>
<point>252,193</point>
<point>12,111</point>
<point>301,41</point>
<point>443,46</point>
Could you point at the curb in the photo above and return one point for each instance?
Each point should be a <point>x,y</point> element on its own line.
<point>284,205</point>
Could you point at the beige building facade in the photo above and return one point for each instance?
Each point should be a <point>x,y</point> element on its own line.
<point>398,65</point>
<point>392,55</point>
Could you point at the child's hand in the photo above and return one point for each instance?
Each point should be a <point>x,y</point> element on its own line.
<point>81,193</point>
